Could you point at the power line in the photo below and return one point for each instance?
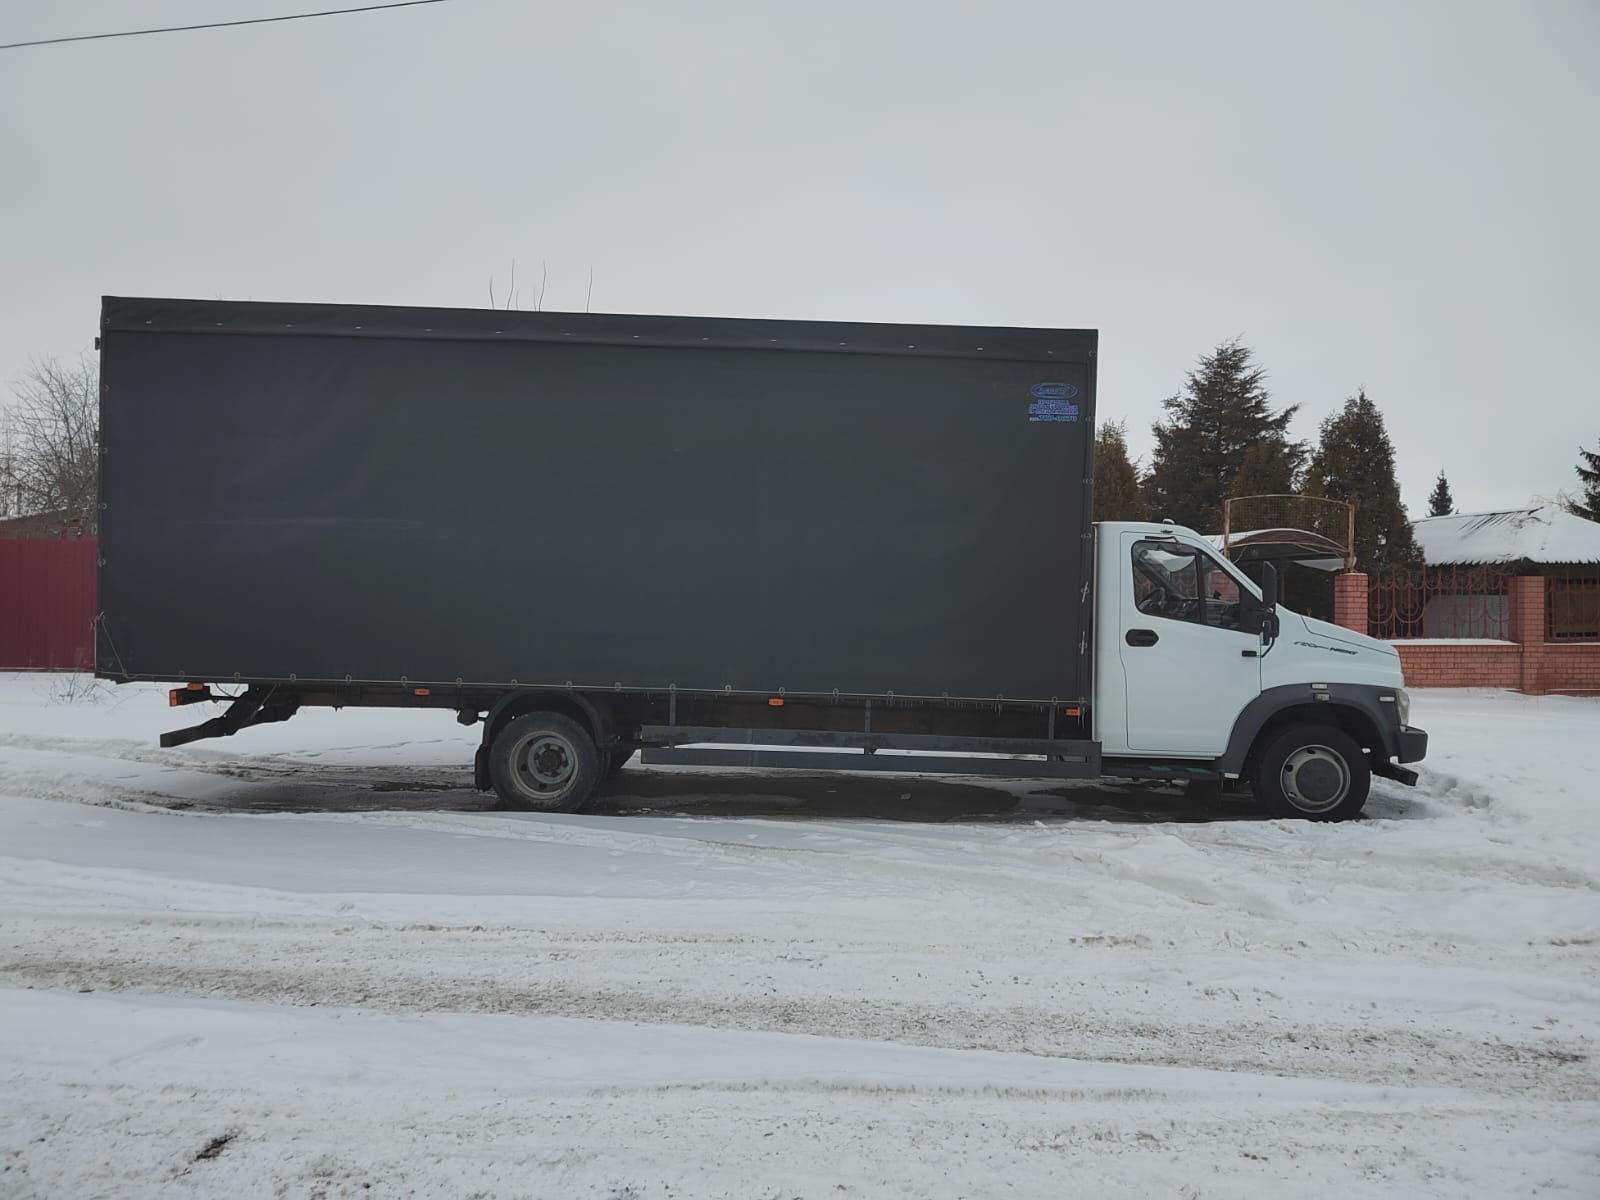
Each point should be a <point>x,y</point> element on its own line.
<point>331,12</point>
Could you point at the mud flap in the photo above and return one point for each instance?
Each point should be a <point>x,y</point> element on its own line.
<point>480,769</point>
<point>1396,772</point>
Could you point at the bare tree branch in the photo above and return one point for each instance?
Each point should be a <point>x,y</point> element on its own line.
<point>511,290</point>
<point>53,436</point>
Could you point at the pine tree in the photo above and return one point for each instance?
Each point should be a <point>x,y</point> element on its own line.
<point>1116,483</point>
<point>1221,413</point>
<point>1440,502</point>
<point>1589,472</point>
<point>1354,461</point>
<point>1266,469</point>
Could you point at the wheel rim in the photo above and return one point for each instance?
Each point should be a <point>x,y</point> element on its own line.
<point>546,766</point>
<point>1315,779</point>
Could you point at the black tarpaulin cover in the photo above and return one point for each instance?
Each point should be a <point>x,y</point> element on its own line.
<point>324,491</point>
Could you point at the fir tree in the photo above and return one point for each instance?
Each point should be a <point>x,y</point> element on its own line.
<point>1354,461</point>
<point>1221,413</point>
<point>1589,472</point>
<point>1266,469</point>
<point>1116,483</point>
<point>1440,502</point>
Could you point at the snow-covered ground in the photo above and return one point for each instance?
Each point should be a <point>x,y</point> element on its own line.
<point>310,961</point>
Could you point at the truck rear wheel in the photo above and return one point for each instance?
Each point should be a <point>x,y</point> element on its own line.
<point>544,762</point>
<point>1313,773</point>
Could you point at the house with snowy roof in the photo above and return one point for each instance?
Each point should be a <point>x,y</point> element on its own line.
<point>1546,541</point>
<point>1521,537</point>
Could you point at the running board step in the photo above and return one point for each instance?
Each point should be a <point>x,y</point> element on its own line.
<point>1079,764</point>
<point>1160,768</point>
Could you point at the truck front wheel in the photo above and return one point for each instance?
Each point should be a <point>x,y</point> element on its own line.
<point>1314,773</point>
<point>543,762</point>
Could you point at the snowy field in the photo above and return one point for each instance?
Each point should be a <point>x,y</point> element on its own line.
<point>310,961</point>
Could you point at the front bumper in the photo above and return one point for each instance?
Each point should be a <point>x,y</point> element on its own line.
<point>1411,745</point>
<point>1406,745</point>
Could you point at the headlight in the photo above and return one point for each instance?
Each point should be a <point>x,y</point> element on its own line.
<point>1402,705</point>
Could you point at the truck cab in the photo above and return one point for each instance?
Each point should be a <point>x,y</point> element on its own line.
<point>1197,669</point>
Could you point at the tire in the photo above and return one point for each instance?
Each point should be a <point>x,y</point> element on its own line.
<point>544,762</point>
<point>1313,773</point>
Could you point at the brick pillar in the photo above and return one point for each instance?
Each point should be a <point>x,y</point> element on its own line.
<point>1350,600</point>
<point>1527,628</point>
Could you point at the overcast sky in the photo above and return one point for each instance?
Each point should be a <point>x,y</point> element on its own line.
<point>1400,196</point>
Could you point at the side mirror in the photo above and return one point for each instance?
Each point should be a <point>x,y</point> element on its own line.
<point>1261,616</point>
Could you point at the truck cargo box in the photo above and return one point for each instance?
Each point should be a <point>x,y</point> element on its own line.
<point>323,493</point>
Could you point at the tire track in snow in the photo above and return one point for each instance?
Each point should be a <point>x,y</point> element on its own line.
<point>1553,1068</point>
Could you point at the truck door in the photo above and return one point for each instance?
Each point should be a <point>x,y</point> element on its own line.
<point>1188,667</point>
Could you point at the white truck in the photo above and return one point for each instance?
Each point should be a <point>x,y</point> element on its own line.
<point>718,542</point>
<point>1194,663</point>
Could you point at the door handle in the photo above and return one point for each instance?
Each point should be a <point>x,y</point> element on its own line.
<point>1141,637</point>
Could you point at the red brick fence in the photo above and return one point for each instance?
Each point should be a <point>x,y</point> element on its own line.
<point>1526,659</point>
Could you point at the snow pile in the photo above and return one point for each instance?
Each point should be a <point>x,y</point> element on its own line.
<point>1536,535</point>
<point>310,961</point>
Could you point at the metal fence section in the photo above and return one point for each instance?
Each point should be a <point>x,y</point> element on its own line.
<point>47,604</point>
<point>1572,608</point>
<point>1440,602</point>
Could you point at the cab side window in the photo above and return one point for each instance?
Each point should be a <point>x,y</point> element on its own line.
<point>1166,580</point>
<point>1181,583</point>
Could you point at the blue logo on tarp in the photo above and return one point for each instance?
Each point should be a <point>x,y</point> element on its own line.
<point>1053,391</point>
<point>1053,402</point>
